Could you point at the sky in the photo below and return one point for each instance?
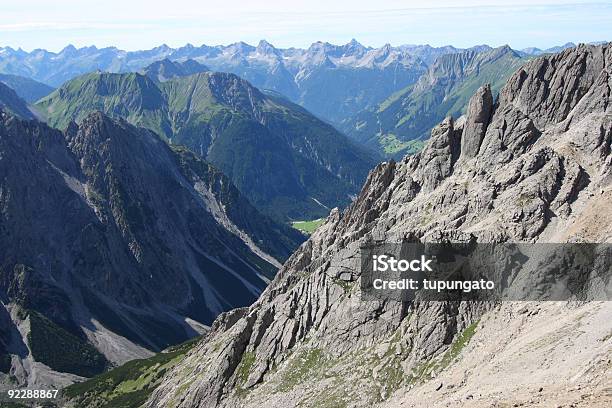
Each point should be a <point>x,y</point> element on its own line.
<point>137,24</point>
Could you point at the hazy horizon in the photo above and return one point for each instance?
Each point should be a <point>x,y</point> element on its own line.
<point>254,44</point>
<point>138,25</point>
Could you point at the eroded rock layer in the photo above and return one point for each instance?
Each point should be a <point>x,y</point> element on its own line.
<point>535,167</point>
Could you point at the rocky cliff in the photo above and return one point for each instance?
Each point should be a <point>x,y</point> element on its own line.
<point>535,166</point>
<point>113,245</point>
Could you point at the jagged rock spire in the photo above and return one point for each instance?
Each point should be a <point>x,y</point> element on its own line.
<point>479,111</point>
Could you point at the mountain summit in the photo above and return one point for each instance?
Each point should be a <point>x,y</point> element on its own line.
<point>288,163</point>
<point>165,69</point>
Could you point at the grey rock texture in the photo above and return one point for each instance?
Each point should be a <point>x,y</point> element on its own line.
<point>120,240</point>
<point>542,174</point>
<point>547,89</point>
<point>478,116</point>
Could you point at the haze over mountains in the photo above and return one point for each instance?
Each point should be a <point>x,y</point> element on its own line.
<point>27,89</point>
<point>385,99</point>
<point>11,102</point>
<point>165,69</point>
<point>400,123</point>
<point>332,81</point>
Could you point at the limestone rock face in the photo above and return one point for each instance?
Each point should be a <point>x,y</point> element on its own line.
<point>547,89</point>
<point>478,116</point>
<point>534,168</point>
<point>119,242</point>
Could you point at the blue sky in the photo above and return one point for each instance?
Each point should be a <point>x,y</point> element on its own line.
<point>136,24</point>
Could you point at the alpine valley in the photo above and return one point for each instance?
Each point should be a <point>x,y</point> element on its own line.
<point>147,258</point>
<point>288,163</point>
<point>113,245</point>
<point>402,122</point>
<point>335,82</point>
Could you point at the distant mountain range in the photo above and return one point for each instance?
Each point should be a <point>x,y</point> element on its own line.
<point>165,69</point>
<point>157,196</point>
<point>386,99</point>
<point>334,82</point>
<point>401,123</point>
<point>287,162</point>
<point>551,50</point>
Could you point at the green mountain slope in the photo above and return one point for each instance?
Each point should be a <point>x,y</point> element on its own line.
<point>289,164</point>
<point>132,96</point>
<point>400,124</point>
<point>129,385</point>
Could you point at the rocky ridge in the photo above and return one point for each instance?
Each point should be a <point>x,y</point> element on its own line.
<point>533,167</point>
<point>131,247</point>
